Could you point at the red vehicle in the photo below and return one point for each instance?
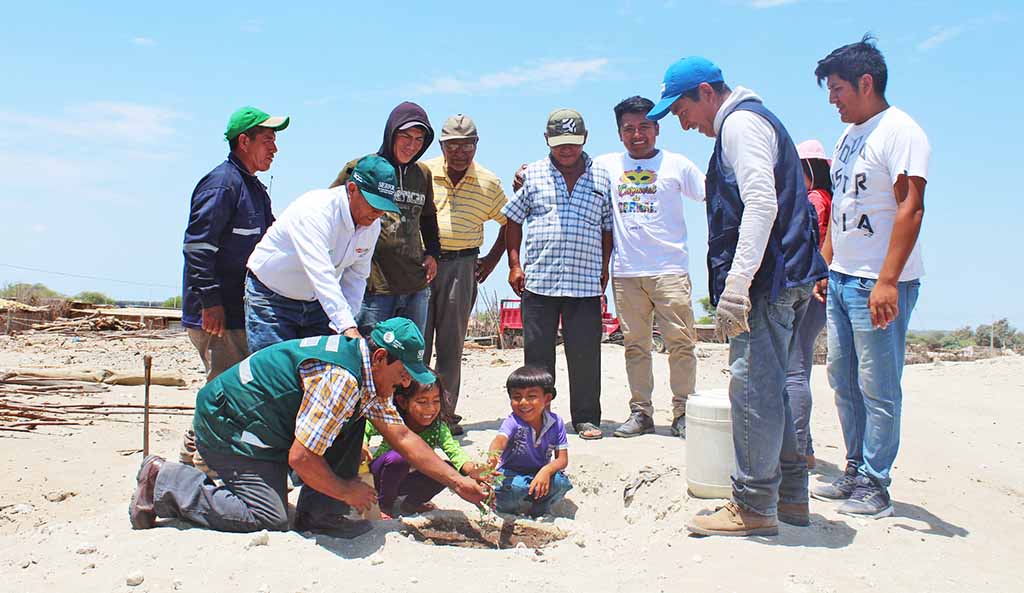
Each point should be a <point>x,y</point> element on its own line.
<point>510,326</point>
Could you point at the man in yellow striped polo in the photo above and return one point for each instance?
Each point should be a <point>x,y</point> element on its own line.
<point>466,195</point>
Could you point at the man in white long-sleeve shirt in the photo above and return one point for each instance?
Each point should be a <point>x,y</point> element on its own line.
<point>308,274</point>
<point>762,262</point>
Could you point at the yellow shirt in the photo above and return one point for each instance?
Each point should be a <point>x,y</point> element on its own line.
<point>463,209</point>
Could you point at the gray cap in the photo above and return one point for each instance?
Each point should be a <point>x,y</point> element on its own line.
<point>459,127</point>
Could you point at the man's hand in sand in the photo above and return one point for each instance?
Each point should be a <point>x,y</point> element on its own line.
<point>359,494</point>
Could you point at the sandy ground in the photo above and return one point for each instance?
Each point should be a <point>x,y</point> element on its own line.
<point>959,485</point>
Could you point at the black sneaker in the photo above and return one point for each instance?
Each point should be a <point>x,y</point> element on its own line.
<point>638,424</point>
<point>840,489</point>
<point>869,500</point>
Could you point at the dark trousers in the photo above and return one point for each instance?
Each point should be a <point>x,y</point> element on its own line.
<point>581,329</point>
<point>343,457</point>
<point>452,295</point>
<point>394,477</point>
<point>254,494</point>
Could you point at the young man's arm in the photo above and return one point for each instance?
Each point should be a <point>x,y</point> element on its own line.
<point>884,299</point>
<point>430,233</point>
<point>541,484</point>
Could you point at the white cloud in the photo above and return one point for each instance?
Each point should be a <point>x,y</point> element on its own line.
<point>770,3</point>
<point>252,26</point>
<point>940,35</point>
<point>99,120</point>
<point>144,41</point>
<point>559,74</point>
<point>38,228</point>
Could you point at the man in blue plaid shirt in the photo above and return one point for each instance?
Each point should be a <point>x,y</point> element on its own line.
<point>564,201</point>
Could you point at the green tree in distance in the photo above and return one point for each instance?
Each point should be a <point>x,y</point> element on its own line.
<point>709,311</point>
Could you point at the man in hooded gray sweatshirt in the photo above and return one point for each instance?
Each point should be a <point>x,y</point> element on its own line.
<point>405,257</point>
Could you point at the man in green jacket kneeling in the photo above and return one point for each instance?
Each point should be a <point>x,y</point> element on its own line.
<point>301,404</point>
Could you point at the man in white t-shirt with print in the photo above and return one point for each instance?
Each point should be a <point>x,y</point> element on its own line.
<point>650,267</point>
<point>879,172</point>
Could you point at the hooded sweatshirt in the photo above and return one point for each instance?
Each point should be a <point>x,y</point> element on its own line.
<point>405,239</point>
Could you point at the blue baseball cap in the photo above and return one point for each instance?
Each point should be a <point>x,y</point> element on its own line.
<point>685,75</point>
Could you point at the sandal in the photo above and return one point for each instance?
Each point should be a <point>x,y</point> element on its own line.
<point>588,432</point>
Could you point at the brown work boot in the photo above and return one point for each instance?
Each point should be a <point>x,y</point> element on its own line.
<point>140,510</point>
<point>794,513</point>
<point>732,520</point>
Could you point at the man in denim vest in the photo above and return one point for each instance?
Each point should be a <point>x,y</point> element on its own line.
<point>762,262</point>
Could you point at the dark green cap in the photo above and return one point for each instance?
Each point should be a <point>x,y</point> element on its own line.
<point>375,177</point>
<point>403,340</point>
<point>247,118</point>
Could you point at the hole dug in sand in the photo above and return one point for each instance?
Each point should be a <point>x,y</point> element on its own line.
<point>452,528</point>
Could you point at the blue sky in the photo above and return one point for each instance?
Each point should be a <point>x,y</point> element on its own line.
<point>111,113</point>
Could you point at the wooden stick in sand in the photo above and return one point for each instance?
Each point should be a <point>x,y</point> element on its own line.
<point>147,361</point>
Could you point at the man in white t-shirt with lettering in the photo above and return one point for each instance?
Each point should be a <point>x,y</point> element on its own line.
<point>650,267</point>
<point>879,172</point>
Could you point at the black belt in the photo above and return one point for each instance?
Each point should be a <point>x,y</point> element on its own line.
<point>449,255</point>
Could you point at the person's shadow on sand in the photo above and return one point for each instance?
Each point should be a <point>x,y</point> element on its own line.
<point>936,526</point>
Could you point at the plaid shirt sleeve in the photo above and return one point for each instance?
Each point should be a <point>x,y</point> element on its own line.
<point>606,209</point>
<point>518,207</point>
<point>331,396</point>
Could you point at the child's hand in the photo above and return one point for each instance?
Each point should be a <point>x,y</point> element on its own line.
<point>541,485</point>
<point>493,457</point>
<point>366,457</point>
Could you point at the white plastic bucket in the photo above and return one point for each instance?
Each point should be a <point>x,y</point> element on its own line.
<point>710,455</point>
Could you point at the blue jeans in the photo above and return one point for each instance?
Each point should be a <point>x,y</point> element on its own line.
<point>378,307</point>
<point>865,367</point>
<point>768,467</point>
<point>798,377</point>
<point>513,496</point>
<point>271,318</point>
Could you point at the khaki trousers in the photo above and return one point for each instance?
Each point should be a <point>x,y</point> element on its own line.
<point>638,301</point>
<point>219,354</point>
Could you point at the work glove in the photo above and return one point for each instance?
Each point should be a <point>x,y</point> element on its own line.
<point>733,308</point>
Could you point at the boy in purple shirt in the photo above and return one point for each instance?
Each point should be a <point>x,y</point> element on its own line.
<point>531,449</point>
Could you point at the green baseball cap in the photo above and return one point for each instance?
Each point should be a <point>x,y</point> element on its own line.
<point>565,126</point>
<point>403,340</point>
<point>375,177</point>
<point>247,118</point>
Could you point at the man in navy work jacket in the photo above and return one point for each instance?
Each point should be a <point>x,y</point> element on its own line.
<point>762,262</point>
<point>230,213</point>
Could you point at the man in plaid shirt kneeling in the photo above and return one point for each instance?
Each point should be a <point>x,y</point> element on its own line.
<point>302,404</point>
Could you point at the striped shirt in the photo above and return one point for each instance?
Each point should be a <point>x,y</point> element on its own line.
<point>563,232</point>
<point>463,209</point>
<point>331,397</point>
